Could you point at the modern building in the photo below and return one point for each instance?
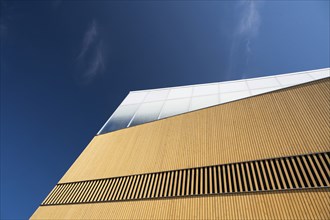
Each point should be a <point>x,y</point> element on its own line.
<point>247,149</point>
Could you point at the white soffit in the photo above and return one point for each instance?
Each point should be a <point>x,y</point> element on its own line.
<point>144,106</point>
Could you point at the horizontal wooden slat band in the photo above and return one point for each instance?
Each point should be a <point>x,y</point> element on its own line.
<point>307,173</point>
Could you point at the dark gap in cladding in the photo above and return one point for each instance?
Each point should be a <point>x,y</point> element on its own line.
<point>287,173</point>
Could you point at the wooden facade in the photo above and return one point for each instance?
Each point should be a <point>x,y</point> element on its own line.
<point>288,122</point>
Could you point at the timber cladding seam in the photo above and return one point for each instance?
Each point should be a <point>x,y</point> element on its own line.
<point>286,173</point>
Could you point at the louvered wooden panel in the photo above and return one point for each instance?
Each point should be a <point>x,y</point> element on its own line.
<point>293,204</point>
<point>287,173</point>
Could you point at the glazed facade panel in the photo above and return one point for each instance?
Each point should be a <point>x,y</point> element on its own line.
<point>179,100</point>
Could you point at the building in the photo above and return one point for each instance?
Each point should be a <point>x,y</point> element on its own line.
<point>255,148</point>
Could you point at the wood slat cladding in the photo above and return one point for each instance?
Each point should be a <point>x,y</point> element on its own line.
<point>291,121</point>
<point>293,204</point>
<point>288,173</point>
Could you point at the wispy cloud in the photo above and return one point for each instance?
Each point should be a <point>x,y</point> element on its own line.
<point>91,56</point>
<point>90,37</point>
<point>250,19</point>
<point>250,22</point>
<point>246,30</point>
<point>96,65</point>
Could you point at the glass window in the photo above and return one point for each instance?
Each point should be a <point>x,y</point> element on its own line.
<point>205,90</point>
<point>134,98</point>
<point>263,83</point>
<point>180,93</point>
<point>232,86</point>
<point>294,79</point>
<point>157,95</point>
<point>175,107</point>
<point>231,96</point>
<point>120,118</point>
<point>203,102</point>
<point>261,91</point>
<point>320,74</point>
<point>147,112</point>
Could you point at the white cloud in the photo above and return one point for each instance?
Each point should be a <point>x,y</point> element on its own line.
<point>246,30</point>
<point>91,56</point>
<point>90,37</point>
<point>249,22</point>
<point>96,65</point>
<point>250,19</point>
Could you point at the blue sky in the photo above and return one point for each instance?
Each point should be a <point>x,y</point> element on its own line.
<point>66,66</point>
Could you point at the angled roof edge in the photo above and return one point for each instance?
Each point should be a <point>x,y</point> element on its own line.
<point>236,80</point>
